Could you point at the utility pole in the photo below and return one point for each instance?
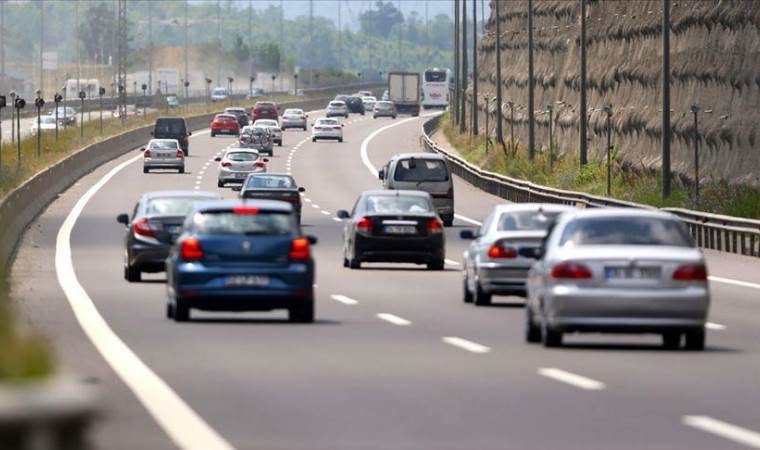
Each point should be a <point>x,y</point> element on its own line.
<point>369,37</point>
<point>340,37</point>
<point>584,104</point>
<point>499,120</point>
<point>475,68</point>
<point>282,40</point>
<point>531,86</point>
<point>42,46</point>
<point>187,71</point>
<point>427,34</point>
<point>2,41</point>
<point>695,111</point>
<point>219,42</point>
<point>311,44</point>
<point>122,59</point>
<point>150,47</point>
<point>665,99</point>
<point>250,39</point>
<point>454,99</point>
<point>400,31</point>
<point>79,39</point>
<point>463,110</point>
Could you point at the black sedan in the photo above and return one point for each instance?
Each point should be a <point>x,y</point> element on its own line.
<point>273,186</point>
<point>355,105</point>
<point>393,226</point>
<point>156,222</point>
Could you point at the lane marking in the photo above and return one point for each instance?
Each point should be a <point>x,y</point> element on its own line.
<point>451,261</point>
<point>180,422</point>
<point>468,220</point>
<point>343,299</point>
<point>395,320</point>
<point>337,219</point>
<point>314,205</point>
<point>734,282</point>
<point>327,213</point>
<point>464,344</point>
<point>572,379</point>
<point>723,429</point>
<point>714,326</point>
<point>307,200</point>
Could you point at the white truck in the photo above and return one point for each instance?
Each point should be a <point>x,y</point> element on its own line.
<point>404,92</point>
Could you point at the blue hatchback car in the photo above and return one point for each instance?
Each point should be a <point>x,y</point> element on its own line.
<point>241,255</point>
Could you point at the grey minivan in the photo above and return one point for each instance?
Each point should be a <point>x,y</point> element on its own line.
<point>427,172</point>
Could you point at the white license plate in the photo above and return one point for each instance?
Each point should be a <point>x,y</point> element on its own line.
<point>174,229</point>
<point>246,281</point>
<point>400,229</point>
<point>632,273</point>
<point>240,176</point>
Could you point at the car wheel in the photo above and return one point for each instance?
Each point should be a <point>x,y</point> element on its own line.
<point>550,336</point>
<point>436,265</point>
<point>303,313</point>
<point>481,298</point>
<point>304,128</point>
<point>695,340</point>
<point>532,331</point>
<point>145,170</point>
<point>467,295</point>
<point>181,311</point>
<point>394,117</point>
<point>671,340</point>
<point>340,139</point>
<point>448,221</point>
<point>132,274</point>
<point>220,184</point>
<point>279,143</point>
<point>354,263</point>
<point>313,139</point>
<point>169,310</point>
<point>213,134</point>
<point>181,170</point>
<point>374,117</point>
<point>345,262</point>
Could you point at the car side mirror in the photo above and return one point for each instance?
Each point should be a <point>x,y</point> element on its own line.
<point>312,239</point>
<point>381,174</point>
<point>217,159</point>
<point>343,214</point>
<point>301,189</point>
<point>123,219</point>
<point>467,234</point>
<point>189,133</point>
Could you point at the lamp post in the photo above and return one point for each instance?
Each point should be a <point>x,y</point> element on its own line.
<point>19,104</point>
<point>122,106</point>
<point>39,103</point>
<point>187,92</point>
<point>57,100</point>
<point>666,99</point>
<point>229,85</point>
<point>485,97</point>
<point>695,111</point>
<point>608,112</point>
<point>145,100</point>
<point>208,89</point>
<point>273,78</point>
<point>512,146</point>
<point>499,119</point>
<point>2,105</point>
<point>531,87</point>
<point>295,80</point>
<point>13,116</point>
<point>101,93</point>
<point>550,109</point>
<point>251,79</point>
<point>82,96</point>
<point>134,88</point>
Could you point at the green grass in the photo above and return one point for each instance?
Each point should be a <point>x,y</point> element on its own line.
<point>716,196</point>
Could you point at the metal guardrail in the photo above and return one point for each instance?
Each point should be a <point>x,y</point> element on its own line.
<point>712,231</point>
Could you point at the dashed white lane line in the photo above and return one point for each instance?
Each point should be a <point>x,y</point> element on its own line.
<point>314,205</point>
<point>327,213</point>
<point>724,429</point>
<point>468,220</point>
<point>337,219</point>
<point>343,299</point>
<point>394,319</point>
<point>464,344</point>
<point>307,200</point>
<point>451,261</point>
<point>572,379</point>
<point>715,326</point>
<point>734,282</point>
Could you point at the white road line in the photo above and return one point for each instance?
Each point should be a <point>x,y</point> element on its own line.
<point>307,200</point>
<point>451,261</point>
<point>395,320</point>
<point>337,219</point>
<point>314,205</point>
<point>183,425</point>
<point>571,379</point>
<point>468,220</point>
<point>723,429</point>
<point>327,213</point>
<point>464,344</point>
<point>715,326</point>
<point>343,299</point>
<point>734,282</point>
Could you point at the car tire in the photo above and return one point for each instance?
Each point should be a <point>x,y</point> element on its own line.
<point>532,331</point>
<point>169,310</point>
<point>132,274</point>
<point>695,340</point>
<point>304,128</point>
<point>550,337</point>
<point>146,170</point>
<point>220,184</point>
<point>436,265</point>
<point>671,340</point>
<point>213,134</point>
<point>481,298</point>
<point>181,170</point>
<point>345,262</point>
<point>394,117</point>
<point>354,263</point>
<point>303,313</point>
<point>448,221</point>
<point>374,117</point>
<point>313,139</point>
<point>466,294</point>
<point>340,139</point>
<point>181,311</point>
<point>279,143</point>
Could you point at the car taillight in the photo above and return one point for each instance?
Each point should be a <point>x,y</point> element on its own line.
<point>571,270</point>
<point>191,250</point>
<point>434,226</point>
<point>147,153</point>
<point>695,272</point>
<point>260,164</point>
<point>180,154</point>
<point>364,224</point>
<point>245,210</point>
<point>299,250</point>
<point>142,227</point>
<point>499,251</point>
<point>226,164</point>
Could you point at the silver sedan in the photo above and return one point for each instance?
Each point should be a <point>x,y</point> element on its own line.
<point>502,250</point>
<point>163,154</point>
<point>619,270</point>
<point>237,163</point>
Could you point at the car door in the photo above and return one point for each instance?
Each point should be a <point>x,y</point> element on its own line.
<point>349,229</point>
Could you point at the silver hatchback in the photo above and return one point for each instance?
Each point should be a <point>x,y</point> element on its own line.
<point>163,154</point>
<point>618,270</point>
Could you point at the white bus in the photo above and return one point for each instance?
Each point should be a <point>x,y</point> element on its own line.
<point>436,87</point>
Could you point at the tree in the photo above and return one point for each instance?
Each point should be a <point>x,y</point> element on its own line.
<point>383,18</point>
<point>240,49</point>
<point>267,55</point>
<point>96,31</point>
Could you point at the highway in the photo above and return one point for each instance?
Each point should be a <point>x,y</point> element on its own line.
<point>395,359</point>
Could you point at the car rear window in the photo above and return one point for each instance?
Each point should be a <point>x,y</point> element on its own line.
<point>397,204</point>
<point>270,182</point>
<point>170,206</point>
<point>628,230</point>
<point>228,222</point>
<point>327,122</point>
<point>293,112</point>
<point>264,106</point>
<point>242,156</point>
<point>526,220</point>
<point>226,117</point>
<point>420,169</point>
<point>163,145</point>
<point>169,126</point>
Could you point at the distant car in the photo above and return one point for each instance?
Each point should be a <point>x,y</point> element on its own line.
<point>502,251</point>
<point>172,101</point>
<point>364,94</point>
<point>66,115</point>
<point>219,94</point>
<point>273,186</point>
<point>258,138</point>
<point>355,105</point>
<point>264,110</point>
<point>241,255</point>
<point>256,93</point>
<point>163,154</point>
<point>273,127</point>
<point>173,128</point>
<point>225,124</point>
<point>240,113</point>
<point>618,270</point>
<point>341,97</point>
<point>47,123</point>
<point>156,221</point>
<point>336,108</point>
<point>327,129</point>
<point>400,226</point>
<point>384,109</point>
<point>368,102</point>
<point>130,111</point>
<point>294,118</point>
<point>237,163</point>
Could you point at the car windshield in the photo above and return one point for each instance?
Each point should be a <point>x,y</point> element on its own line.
<point>219,91</point>
<point>264,106</point>
<point>163,145</point>
<point>170,206</point>
<point>526,220</point>
<point>625,230</point>
<point>242,156</point>
<point>293,112</point>
<point>227,222</point>
<point>397,204</point>
<point>270,182</point>
<point>327,122</point>
<point>419,169</point>
<point>47,119</point>
<point>172,127</point>
<point>258,131</point>
<point>266,123</point>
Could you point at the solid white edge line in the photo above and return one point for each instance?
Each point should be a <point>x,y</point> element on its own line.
<point>715,326</point>
<point>572,379</point>
<point>343,299</point>
<point>180,422</point>
<point>734,282</point>
<point>394,319</point>
<point>464,344</point>
<point>724,429</point>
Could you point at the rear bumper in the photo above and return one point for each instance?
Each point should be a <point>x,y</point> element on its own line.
<point>225,131</point>
<point>420,250</point>
<point>501,279</point>
<point>234,177</point>
<point>149,258</point>
<point>327,135</point>
<point>286,125</point>
<point>383,113</point>
<point>156,164</point>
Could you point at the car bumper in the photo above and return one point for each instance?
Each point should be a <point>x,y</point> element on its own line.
<point>225,131</point>
<point>384,113</point>
<point>444,206</point>
<point>233,176</point>
<point>149,257</point>
<point>500,279</point>
<point>158,163</point>
<point>418,250</point>
<point>327,135</point>
<point>572,308</point>
<point>336,113</point>
<point>293,124</point>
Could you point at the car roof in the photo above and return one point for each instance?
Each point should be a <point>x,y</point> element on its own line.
<point>516,207</point>
<point>180,193</point>
<point>241,150</point>
<point>164,140</point>
<point>395,193</point>
<point>268,205</point>
<point>618,212</point>
<point>419,155</point>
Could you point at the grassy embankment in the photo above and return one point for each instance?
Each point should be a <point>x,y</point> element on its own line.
<point>716,196</point>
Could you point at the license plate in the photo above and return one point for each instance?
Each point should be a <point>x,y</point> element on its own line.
<point>632,273</point>
<point>246,281</point>
<point>400,229</point>
<point>240,175</point>
<point>174,229</point>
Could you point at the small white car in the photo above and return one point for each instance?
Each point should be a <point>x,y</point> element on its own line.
<point>163,154</point>
<point>237,163</point>
<point>369,102</point>
<point>47,123</point>
<point>294,118</point>
<point>219,94</point>
<point>327,129</point>
<point>337,108</point>
<point>273,127</point>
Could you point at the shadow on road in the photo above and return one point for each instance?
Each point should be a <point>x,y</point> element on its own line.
<point>259,321</point>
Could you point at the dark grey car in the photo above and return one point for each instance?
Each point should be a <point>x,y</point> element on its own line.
<point>155,223</point>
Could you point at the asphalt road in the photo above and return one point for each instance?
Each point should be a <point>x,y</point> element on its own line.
<point>395,360</point>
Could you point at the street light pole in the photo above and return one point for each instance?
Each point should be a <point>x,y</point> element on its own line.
<point>695,111</point>
<point>531,85</point>
<point>665,99</point>
<point>145,100</point>
<point>57,100</point>
<point>13,116</point>
<point>82,96</point>
<point>19,104</point>
<point>454,99</point>
<point>39,103</point>
<point>608,112</point>
<point>499,119</point>
<point>102,91</point>
<point>550,109</point>
<point>583,105</point>
<point>475,67</point>
<point>463,110</point>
